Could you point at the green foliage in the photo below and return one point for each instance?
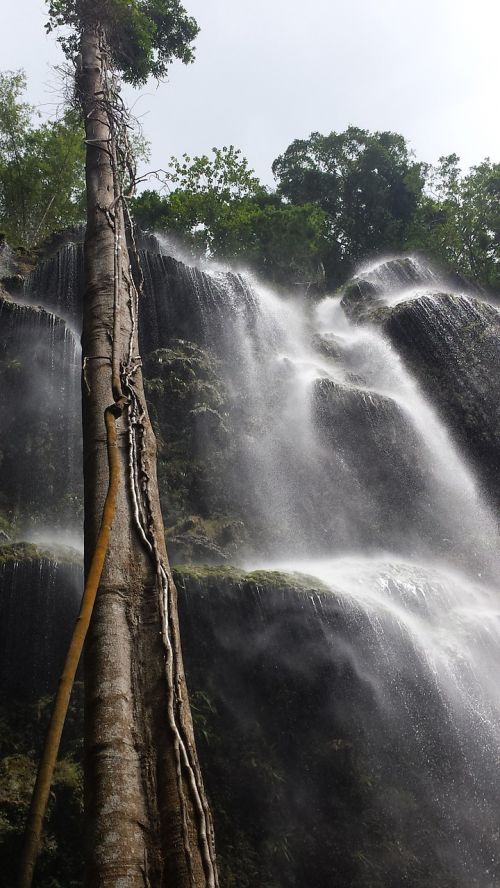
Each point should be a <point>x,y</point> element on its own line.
<point>227,176</point>
<point>15,116</point>
<point>367,184</point>
<point>458,219</point>
<point>284,243</point>
<point>21,551</point>
<point>268,581</point>
<point>190,413</point>
<point>143,36</point>
<point>221,210</point>
<point>341,199</point>
<point>41,168</point>
<point>205,200</point>
<point>22,729</point>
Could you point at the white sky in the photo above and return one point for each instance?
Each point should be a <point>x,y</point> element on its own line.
<point>269,71</point>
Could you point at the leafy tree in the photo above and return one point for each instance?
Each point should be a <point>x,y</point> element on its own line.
<point>458,219</point>
<point>143,37</point>
<point>284,243</point>
<point>367,183</point>
<point>41,167</point>
<point>226,176</point>
<point>341,199</point>
<point>221,210</point>
<point>147,815</point>
<point>205,201</point>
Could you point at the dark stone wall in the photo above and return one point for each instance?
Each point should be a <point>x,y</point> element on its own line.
<point>452,346</point>
<point>39,602</point>
<point>308,783</point>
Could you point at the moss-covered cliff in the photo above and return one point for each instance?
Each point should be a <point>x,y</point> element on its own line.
<point>281,716</point>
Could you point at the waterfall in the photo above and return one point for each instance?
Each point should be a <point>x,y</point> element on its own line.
<point>336,447</point>
<point>56,283</point>
<point>455,515</point>
<point>39,601</point>
<point>464,333</point>
<point>377,705</point>
<point>39,419</point>
<point>347,472</point>
<point>363,433</point>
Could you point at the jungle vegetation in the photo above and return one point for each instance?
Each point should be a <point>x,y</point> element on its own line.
<point>339,199</point>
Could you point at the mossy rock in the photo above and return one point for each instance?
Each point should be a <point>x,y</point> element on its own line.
<point>268,580</point>
<point>23,551</point>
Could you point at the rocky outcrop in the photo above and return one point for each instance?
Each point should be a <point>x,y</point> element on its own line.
<point>40,437</point>
<point>289,735</point>
<point>365,296</point>
<point>452,345</point>
<point>40,593</point>
<point>378,444</point>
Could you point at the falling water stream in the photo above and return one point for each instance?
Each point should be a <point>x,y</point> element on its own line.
<point>344,471</point>
<point>353,478</point>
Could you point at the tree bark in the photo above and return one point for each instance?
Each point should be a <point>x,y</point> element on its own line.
<point>148,822</point>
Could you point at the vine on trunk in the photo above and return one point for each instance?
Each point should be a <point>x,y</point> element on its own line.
<point>187,768</point>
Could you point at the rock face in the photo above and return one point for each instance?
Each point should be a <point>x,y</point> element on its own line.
<point>368,290</point>
<point>451,343</point>
<point>40,438</point>
<point>39,599</point>
<point>384,452</point>
<point>40,592</point>
<point>330,777</point>
<point>304,777</point>
<point>57,282</point>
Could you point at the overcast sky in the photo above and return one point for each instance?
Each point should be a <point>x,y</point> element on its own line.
<point>269,71</point>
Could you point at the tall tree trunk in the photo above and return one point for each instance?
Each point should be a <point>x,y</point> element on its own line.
<point>148,822</point>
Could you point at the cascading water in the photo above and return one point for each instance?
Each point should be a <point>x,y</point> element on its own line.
<point>432,650</point>
<point>39,600</point>
<point>456,520</point>
<point>340,468</point>
<point>336,448</point>
<point>343,464</point>
<point>56,283</point>
<point>39,420</point>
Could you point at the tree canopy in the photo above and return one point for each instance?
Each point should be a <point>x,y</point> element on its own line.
<point>143,36</point>
<point>368,184</point>
<point>221,210</point>
<point>340,199</point>
<point>458,219</point>
<point>41,167</point>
